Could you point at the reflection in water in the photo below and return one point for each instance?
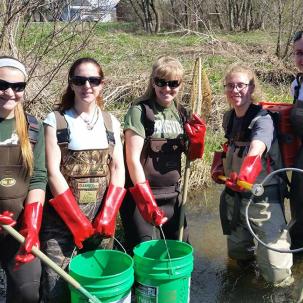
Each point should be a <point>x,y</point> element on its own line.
<point>216,278</point>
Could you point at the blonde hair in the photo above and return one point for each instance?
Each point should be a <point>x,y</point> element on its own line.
<point>20,118</point>
<point>165,67</point>
<point>253,81</point>
<point>22,132</point>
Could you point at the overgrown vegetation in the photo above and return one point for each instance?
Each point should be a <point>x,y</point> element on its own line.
<point>127,57</point>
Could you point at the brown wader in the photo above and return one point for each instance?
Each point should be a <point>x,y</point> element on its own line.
<point>161,161</point>
<point>22,283</point>
<point>87,174</point>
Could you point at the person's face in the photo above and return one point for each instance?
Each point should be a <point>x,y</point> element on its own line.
<point>298,54</point>
<point>86,92</point>
<point>10,97</point>
<point>166,90</point>
<point>238,90</point>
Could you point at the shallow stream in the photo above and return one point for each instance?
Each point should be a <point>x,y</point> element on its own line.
<point>215,277</point>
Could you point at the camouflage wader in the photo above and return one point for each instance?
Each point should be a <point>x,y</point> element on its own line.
<point>86,173</point>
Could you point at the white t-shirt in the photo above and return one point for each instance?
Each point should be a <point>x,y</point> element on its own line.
<point>292,90</point>
<point>82,138</point>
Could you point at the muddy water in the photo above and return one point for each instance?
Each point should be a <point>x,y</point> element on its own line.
<point>215,277</point>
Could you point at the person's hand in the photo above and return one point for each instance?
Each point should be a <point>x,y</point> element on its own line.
<point>31,224</point>
<point>68,209</point>
<point>105,222</point>
<point>6,218</point>
<point>217,168</point>
<point>147,204</point>
<point>195,130</point>
<point>249,171</point>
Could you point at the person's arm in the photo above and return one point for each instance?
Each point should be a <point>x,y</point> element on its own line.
<point>33,205</point>
<point>256,148</point>
<point>56,181</point>
<point>117,170</point>
<point>105,221</point>
<point>64,202</point>
<point>133,147</point>
<point>141,191</point>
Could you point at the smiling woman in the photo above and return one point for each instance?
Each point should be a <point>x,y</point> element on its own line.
<point>250,154</point>
<point>85,172</point>
<point>22,183</point>
<point>156,129</point>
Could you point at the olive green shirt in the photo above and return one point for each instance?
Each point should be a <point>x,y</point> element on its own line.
<point>7,136</point>
<point>168,123</point>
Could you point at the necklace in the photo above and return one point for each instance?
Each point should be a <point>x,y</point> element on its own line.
<point>90,123</point>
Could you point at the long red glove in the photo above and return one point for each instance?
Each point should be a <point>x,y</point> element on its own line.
<point>195,130</point>
<point>31,224</point>
<point>217,168</point>
<point>147,204</point>
<point>105,222</point>
<point>6,218</point>
<point>69,211</point>
<point>249,171</point>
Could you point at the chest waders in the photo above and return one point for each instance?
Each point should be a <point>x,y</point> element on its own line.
<point>86,171</point>
<point>14,179</point>
<point>238,145</point>
<point>296,189</point>
<point>160,157</point>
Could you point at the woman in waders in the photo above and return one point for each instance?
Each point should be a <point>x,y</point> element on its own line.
<point>86,174</point>
<point>251,152</point>
<point>296,118</point>
<point>22,184</point>
<point>156,133</point>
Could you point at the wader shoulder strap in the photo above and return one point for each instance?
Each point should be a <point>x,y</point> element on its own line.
<point>62,132</point>
<point>149,116</point>
<point>299,79</point>
<point>33,128</point>
<point>108,123</point>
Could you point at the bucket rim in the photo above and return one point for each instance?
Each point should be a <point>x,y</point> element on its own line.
<point>161,240</point>
<point>130,267</point>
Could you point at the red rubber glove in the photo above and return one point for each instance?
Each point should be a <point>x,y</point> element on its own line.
<point>217,168</point>
<point>195,130</point>
<point>6,218</point>
<point>147,204</point>
<point>105,222</point>
<point>70,212</point>
<point>32,217</point>
<point>249,171</point>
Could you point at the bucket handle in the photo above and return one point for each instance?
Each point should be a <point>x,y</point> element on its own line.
<point>38,253</point>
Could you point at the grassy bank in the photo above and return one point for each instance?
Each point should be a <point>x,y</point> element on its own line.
<point>127,56</point>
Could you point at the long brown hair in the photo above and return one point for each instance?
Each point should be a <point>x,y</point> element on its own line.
<point>22,129</point>
<point>165,67</point>
<point>68,97</point>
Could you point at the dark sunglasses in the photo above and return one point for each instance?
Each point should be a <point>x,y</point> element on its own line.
<point>79,80</point>
<point>161,83</point>
<point>16,86</point>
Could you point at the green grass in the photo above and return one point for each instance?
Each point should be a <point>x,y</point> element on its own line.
<point>127,54</point>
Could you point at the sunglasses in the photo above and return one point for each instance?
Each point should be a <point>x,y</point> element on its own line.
<point>171,84</point>
<point>79,80</point>
<point>16,86</point>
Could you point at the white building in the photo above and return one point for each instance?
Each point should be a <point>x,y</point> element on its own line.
<point>90,10</point>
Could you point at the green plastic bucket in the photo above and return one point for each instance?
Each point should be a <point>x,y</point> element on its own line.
<point>106,274</point>
<point>159,279</point>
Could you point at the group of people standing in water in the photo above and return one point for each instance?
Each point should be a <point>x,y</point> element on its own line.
<point>76,163</point>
